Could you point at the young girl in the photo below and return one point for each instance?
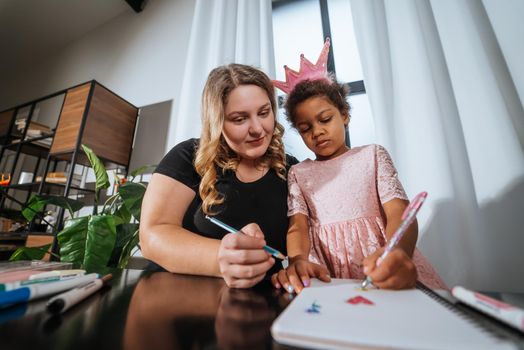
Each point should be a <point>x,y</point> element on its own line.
<point>345,205</point>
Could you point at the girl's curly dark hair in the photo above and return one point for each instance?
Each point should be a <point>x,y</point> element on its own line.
<point>335,92</point>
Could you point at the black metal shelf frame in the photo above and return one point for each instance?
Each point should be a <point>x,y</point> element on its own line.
<point>17,143</point>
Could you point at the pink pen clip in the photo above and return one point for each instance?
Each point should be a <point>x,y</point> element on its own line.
<point>415,205</point>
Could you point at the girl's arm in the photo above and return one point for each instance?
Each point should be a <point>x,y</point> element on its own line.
<point>397,271</point>
<point>297,237</point>
<point>300,269</point>
<point>239,259</point>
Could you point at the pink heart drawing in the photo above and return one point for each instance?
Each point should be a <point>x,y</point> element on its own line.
<point>359,300</point>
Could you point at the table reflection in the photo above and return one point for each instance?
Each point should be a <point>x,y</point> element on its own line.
<point>169,311</point>
<point>243,320</point>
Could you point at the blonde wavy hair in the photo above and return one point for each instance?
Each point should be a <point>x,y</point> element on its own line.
<point>213,153</point>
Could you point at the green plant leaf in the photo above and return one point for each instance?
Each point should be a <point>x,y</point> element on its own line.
<point>128,248</point>
<point>30,253</point>
<point>72,205</point>
<point>142,170</point>
<point>37,202</point>
<point>124,233</point>
<point>122,215</point>
<point>102,180</point>
<point>88,241</point>
<point>72,240</point>
<point>132,193</point>
<point>101,237</point>
<point>33,207</point>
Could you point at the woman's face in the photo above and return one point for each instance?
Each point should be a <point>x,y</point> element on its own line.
<point>249,121</point>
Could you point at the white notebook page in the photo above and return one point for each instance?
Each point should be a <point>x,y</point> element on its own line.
<point>407,319</point>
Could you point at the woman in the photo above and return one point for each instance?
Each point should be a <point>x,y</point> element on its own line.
<point>236,172</point>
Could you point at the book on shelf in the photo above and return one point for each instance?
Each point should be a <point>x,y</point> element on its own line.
<point>44,142</point>
<point>56,174</point>
<point>35,129</point>
<point>60,178</point>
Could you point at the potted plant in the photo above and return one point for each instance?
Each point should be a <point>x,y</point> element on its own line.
<point>96,240</point>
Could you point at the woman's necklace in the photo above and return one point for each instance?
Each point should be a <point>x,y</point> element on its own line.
<point>250,174</point>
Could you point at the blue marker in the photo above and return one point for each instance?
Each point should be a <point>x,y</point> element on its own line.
<point>230,229</point>
<point>30,292</point>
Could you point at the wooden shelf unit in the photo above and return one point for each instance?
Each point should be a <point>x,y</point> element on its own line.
<point>90,114</point>
<point>94,116</point>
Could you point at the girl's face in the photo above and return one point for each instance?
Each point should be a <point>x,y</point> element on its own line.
<point>322,127</point>
<point>249,121</point>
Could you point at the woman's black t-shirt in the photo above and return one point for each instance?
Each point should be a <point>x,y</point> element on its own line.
<point>263,201</point>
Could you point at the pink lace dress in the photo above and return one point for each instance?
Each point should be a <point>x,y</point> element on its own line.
<point>343,198</point>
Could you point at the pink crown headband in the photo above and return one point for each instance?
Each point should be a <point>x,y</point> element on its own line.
<point>307,71</point>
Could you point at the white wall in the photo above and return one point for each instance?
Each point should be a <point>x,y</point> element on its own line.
<point>151,135</point>
<point>138,56</point>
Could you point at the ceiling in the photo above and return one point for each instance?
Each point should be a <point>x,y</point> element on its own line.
<point>36,28</point>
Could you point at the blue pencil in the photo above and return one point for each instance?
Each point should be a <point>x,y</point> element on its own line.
<point>230,229</point>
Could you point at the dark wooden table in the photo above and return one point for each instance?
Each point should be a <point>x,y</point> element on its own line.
<point>160,310</point>
<point>143,310</point>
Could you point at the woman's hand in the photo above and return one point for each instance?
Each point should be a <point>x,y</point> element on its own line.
<point>298,275</point>
<point>241,259</point>
<point>396,271</point>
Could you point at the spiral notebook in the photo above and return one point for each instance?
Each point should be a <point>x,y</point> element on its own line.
<point>341,316</point>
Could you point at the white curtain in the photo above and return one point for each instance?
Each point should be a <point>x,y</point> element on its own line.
<point>445,81</point>
<point>223,31</point>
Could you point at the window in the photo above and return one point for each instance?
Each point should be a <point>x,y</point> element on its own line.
<point>300,27</point>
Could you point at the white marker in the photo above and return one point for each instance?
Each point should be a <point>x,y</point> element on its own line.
<point>57,274</point>
<point>506,313</point>
<point>66,300</point>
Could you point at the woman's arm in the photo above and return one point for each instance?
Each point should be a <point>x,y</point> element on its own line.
<point>162,237</point>
<point>238,258</point>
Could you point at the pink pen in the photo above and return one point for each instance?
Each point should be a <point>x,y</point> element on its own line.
<point>408,217</point>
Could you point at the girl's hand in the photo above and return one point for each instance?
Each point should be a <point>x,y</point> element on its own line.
<point>298,275</point>
<point>396,271</point>
<point>241,259</point>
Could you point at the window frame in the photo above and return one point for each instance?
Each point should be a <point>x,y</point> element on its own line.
<point>356,87</point>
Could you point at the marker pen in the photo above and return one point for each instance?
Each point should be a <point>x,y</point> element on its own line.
<point>43,279</point>
<point>506,313</point>
<point>407,218</point>
<point>57,273</point>
<point>66,300</point>
<point>40,290</point>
